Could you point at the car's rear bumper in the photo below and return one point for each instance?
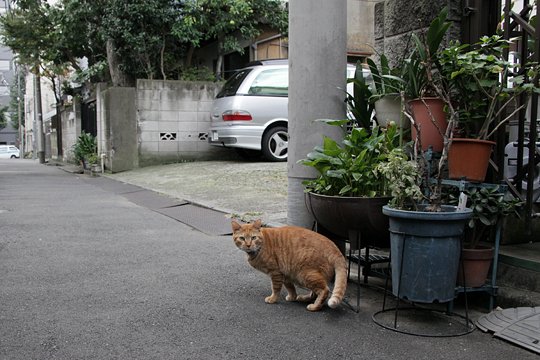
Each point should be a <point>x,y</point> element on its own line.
<point>244,137</point>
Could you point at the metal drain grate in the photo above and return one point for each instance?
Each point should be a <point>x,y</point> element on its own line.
<point>520,326</point>
<point>208,221</point>
<point>113,186</point>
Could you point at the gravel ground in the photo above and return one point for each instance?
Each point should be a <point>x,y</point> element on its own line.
<point>245,189</point>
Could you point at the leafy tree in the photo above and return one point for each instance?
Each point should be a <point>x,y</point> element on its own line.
<point>227,22</point>
<point>136,38</point>
<point>139,33</point>
<point>17,90</point>
<point>3,116</point>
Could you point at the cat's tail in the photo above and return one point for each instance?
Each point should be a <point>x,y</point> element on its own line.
<point>340,284</point>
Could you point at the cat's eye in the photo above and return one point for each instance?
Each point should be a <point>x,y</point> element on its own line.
<point>253,238</point>
<point>241,238</point>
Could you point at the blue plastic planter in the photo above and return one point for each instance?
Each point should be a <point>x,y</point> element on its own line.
<point>425,249</point>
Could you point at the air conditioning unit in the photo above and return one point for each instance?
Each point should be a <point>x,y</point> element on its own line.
<point>510,168</point>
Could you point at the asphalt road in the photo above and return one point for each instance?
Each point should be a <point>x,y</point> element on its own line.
<point>86,274</point>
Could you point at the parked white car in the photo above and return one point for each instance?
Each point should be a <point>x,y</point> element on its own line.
<point>250,113</point>
<point>9,152</point>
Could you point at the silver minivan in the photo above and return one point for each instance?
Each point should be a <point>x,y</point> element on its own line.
<point>9,152</point>
<point>250,113</point>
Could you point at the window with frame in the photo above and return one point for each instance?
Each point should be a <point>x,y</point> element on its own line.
<point>271,82</point>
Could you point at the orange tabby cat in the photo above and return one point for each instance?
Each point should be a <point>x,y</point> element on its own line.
<point>293,255</point>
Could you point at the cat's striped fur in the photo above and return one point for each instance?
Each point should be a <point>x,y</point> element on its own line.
<point>294,256</point>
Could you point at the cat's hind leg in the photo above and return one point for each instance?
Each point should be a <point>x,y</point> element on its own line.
<point>322,294</point>
<point>319,287</point>
<point>277,283</point>
<point>307,297</point>
<point>291,289</point>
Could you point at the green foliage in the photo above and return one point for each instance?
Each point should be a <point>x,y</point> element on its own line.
<point>385,78</point>
<point>476,76</point>
<point>489,205</point>
<point>197,74</point>
<point>28,31</point>
<point>151,38</point>
<point>17,85</point>
<point>403,178</point>
<point>141,32</point>
<point>224,20</point>
<point>420,69</point>
<point>350,168</point>
<point>85,149</point>
<point>3,117</point>
<point>359,106</point>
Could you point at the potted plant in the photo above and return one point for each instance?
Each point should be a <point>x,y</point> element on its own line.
<point>386,96</point>
<point>349,192</point>
<point>485,98</point>
<point>425,234</point>
<point>85,150</point>
<point>425,245</point>
<point>489,206</point>
<point>420,73</point>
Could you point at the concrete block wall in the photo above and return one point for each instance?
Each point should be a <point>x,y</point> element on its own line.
<point>396,20</point>
<point>173,120</point>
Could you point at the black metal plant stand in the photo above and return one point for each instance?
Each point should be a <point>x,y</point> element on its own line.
<point>446,315</point>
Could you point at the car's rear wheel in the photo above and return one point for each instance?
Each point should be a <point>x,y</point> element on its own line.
<point>13,157</point>
<point>275,144</point>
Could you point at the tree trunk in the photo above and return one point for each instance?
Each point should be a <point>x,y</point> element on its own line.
<point>118,77</point>
<point>219,63</point>
<point>162,60</point>
<point>189,57</point>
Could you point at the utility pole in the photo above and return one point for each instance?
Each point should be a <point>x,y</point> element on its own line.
<point>19,108</point>
<point>39,118</point>
<point>317,75</point>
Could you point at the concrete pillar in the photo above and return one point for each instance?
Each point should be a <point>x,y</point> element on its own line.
<point>317,72</point>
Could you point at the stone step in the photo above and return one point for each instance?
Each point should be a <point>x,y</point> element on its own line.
<point>519,283</point>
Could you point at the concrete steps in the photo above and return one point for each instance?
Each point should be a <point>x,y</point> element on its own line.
<point>518,278</point>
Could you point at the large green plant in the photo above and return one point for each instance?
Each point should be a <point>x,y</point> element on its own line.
<point>85,149</point>
<point>420,70</point>
<point>350,168</point>
<point>360,108</point>
<point>480,87</point>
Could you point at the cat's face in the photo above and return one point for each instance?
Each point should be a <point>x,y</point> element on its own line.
<point>248,237</point>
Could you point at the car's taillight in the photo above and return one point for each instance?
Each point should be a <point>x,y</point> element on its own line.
<point>236,115</point>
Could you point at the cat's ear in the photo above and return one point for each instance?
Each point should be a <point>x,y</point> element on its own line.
<point>257,224</point>
<point>235,226</point>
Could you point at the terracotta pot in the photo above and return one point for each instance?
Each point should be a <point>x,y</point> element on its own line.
<point>425,112</point>
<point>476,264</point>
<point>469,159</point>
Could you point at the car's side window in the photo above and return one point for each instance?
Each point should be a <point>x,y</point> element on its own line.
<point>272,82</point>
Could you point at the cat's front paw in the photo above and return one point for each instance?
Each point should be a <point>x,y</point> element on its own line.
<point>271,299</point>
<point>291,297</point>
<point>313,307</point>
